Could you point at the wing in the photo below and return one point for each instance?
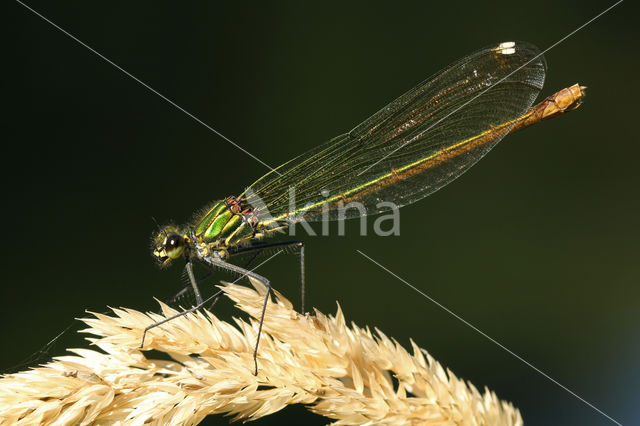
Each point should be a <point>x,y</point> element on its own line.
<point>412,147</point>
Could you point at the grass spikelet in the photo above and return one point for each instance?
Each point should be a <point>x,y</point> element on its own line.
<point>342,372</point>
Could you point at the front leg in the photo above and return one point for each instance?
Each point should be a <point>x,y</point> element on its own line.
<point>194,283</point>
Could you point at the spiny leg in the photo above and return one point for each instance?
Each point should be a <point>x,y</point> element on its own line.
<point>199,281</point>
<point>199,302</point>
<point>203,278</point>
<point>215,298</point>
<point>233,268</point>
<point>194,284</point>
<point>178,295</point>
<point>210,273</point>
<point>191,285</point>
<point>262,246</point>
<point>246,266</point>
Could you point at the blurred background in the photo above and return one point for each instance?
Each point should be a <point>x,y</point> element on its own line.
<point>538,245</point>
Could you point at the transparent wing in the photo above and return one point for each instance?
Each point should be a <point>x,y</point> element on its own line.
<point>412,147</point>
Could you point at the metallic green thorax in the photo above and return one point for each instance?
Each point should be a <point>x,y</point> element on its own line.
<point>224,225</point>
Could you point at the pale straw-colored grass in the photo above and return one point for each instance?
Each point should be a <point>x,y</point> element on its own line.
<point>339,371</point>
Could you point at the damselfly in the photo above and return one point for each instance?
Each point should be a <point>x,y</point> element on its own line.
<point>409,149</point>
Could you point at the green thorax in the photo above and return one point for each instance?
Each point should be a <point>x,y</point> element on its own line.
<point>225,224</point>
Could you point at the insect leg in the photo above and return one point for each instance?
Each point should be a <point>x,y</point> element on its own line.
<point>262,246</point>
<point>199,302</point>
<point>211,261</point>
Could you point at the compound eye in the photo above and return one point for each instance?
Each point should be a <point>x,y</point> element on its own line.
<point>174,241</point>
<point>174,245</point>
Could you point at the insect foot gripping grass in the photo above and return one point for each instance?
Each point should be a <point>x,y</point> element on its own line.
<point>342,372</point>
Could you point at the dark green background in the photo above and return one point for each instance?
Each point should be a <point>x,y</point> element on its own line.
<point>537,246</point>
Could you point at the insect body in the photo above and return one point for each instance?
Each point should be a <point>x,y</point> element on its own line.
<point>409,149</point>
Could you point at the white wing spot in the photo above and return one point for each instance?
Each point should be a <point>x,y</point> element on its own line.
<point>507,48</point>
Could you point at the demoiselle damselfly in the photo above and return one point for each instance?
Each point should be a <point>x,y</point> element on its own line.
<point>409,149</point>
